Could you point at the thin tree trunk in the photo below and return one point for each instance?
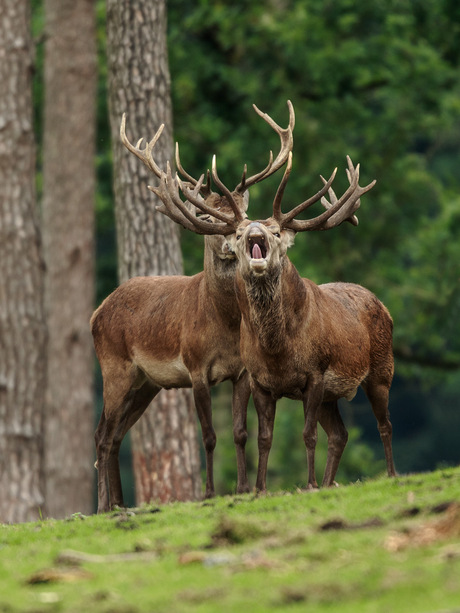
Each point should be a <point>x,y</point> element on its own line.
<point>22,320</point>
<point>164,442</point>
<point>68,230</point>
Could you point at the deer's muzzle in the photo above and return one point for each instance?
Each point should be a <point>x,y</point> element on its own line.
<point>257,248</point>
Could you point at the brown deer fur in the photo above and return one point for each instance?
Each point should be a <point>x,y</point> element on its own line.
<point>308,342</point>
<point>314,343</point>
<point>155,332</point>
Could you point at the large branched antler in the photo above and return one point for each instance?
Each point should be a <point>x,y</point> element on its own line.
<point>168,188</point>
<point>193,190</point>
<point>333,198</point>
<point>196,191</point>
<point>337,210</point>
<point>177,210</point>
<point>287,143</point>
<point>286,140</point>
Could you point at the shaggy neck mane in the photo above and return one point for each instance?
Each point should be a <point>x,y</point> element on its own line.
<point>220,284</point>
<point>266,312</point>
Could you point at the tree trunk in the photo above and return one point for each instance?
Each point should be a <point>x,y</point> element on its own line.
<point>164,442</point>
<point>68,230</point>
<point>22,321</point>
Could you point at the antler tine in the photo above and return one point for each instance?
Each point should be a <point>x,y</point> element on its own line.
<point>192,197</point>
<point>243,185</point>
<point>288,217</point>
<point>277,214</point>
<point>205,190</point>
<point>229,195</point>
<point>287,143</point>
<point>169,210</point>
<point>145,155</point>
<point>327,205</point>
<point>175,209</point>
<point>338,211</point>
<point>346,212</point>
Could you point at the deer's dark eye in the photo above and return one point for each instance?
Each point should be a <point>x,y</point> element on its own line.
<point>277,234</point>
<point>238,237</point>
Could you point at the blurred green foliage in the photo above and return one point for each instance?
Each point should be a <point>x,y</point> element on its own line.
<point>379,81</point>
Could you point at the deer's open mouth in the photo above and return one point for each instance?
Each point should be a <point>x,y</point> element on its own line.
<point>257,248</point>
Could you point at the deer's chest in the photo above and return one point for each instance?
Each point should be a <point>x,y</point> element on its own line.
<point>287,372</point>
<point>283,373</point>
<point>213,352</point>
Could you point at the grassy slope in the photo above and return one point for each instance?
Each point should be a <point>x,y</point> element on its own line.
<point>383,545</point>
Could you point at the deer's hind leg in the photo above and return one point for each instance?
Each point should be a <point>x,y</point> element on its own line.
<point>121,383</point>
<point>378,395</point>
<point>136,403</point>
<point>241,393</point>
<point>103,439</point>
<point>202,398</point>
<point>265,406</point>
<point>337,436</point>
<point>312,403</point>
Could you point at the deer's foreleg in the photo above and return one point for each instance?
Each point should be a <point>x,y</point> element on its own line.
<point>265,406</point>
<point>241,393</point>
<point>202,396</point>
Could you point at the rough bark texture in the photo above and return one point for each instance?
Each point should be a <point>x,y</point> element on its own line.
<point>22,322</point>
<point>68,230</point>
<point>165,449</point>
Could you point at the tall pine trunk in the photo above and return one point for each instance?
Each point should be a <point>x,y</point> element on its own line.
<point>68,230</point>
<point>164,442</point>
<point>22,320</point>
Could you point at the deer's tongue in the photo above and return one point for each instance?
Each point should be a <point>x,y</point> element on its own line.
<point>256,252</point>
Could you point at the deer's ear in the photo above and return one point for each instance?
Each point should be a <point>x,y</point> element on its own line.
<point>287,239</point>
<point>230,242</point>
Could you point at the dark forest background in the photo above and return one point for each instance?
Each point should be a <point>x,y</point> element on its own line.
<point>379,81</point>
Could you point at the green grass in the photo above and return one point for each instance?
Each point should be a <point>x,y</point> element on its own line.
<point>378,546</point>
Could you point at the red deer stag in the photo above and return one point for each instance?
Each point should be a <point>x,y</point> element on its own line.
<point>304,341</point>
<point>177,331</point>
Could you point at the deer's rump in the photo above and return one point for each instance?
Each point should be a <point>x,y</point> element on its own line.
<point>359,339</point>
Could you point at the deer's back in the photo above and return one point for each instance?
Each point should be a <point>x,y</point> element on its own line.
<point>351,305</point>
<point>142,308</point>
